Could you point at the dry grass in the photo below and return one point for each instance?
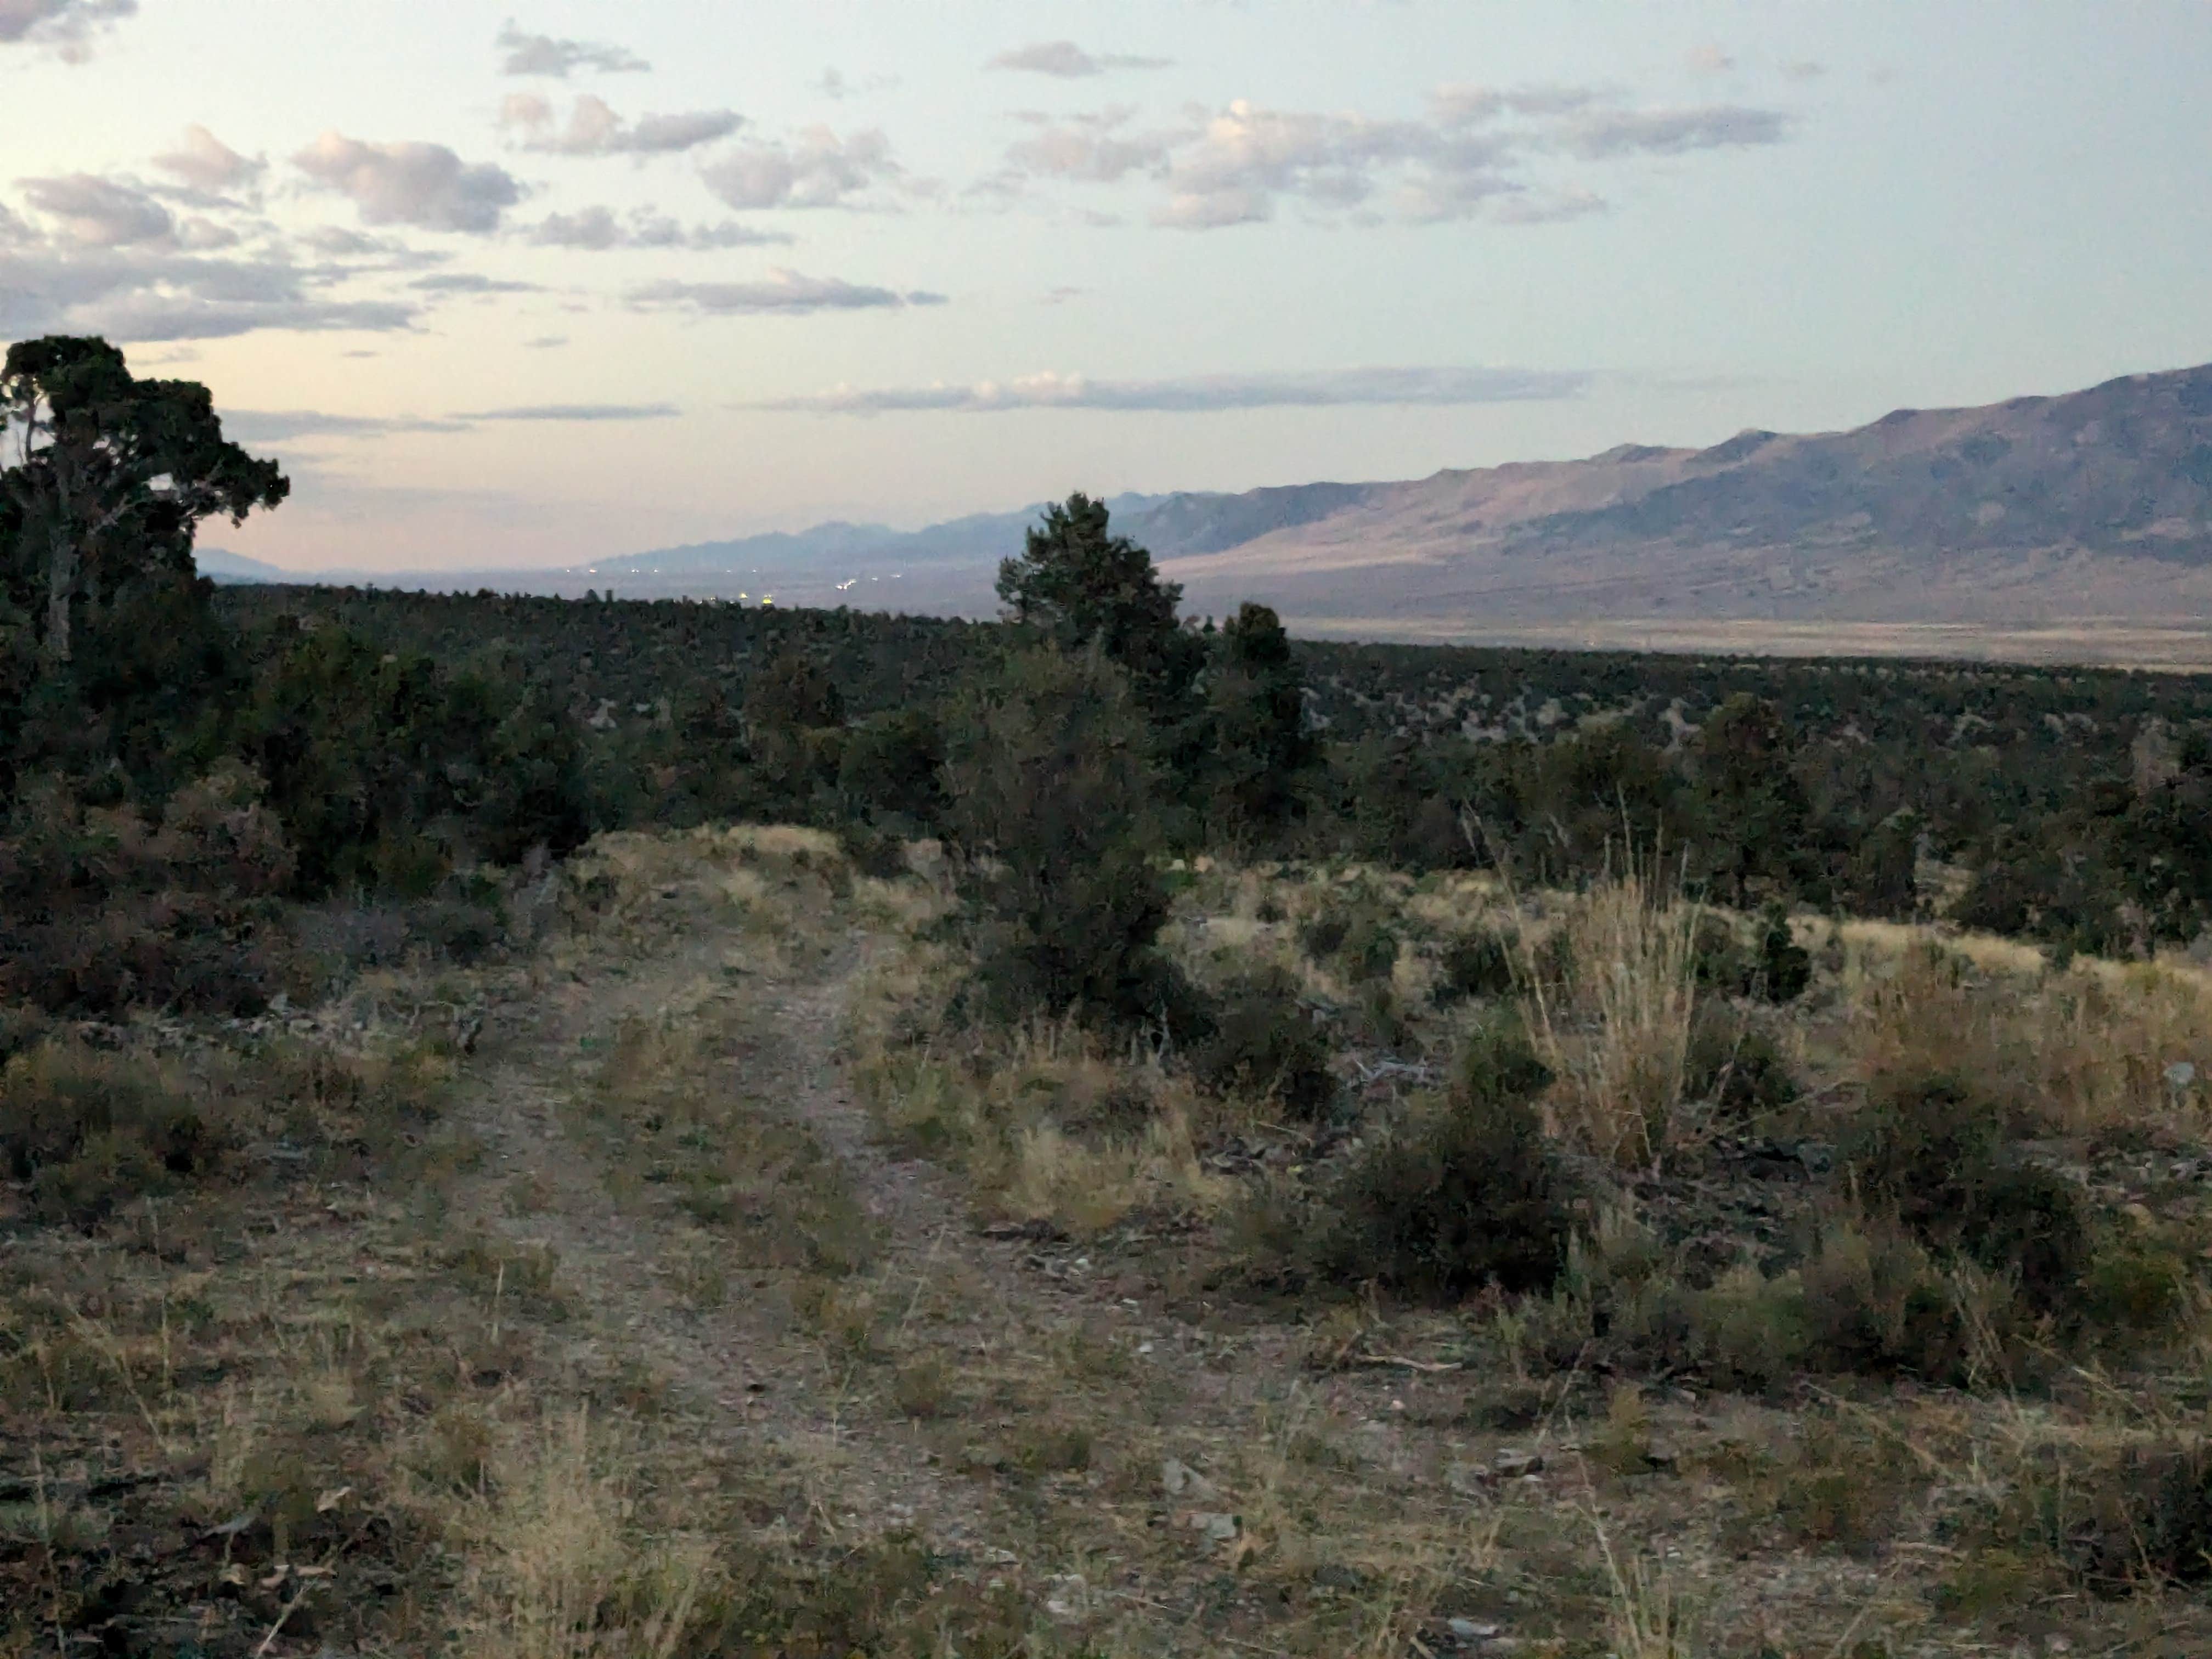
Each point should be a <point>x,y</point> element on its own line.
<point>1048,1125</point>
<point>2087,1051</point>
<point>561,1566</point>
<point>1616,1033</point>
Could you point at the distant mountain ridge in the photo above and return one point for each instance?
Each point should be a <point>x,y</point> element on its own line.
<point>2031,512</point>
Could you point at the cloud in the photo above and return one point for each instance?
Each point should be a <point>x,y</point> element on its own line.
<point>817,169</point>
<point>96,212</point>
<point>545,55</point>
<point>1204,393</point>
<point>1674,131</point>
<point>1465,106</point>
<point>264,426</point>
<point>1093,149</point>
<point>116,262</point>
<point>1068,61</point>
<point>596,229</point>
<point>1709,59</point>
<point>578,412</point>
<point>784,292</point>
<point>65,25</point>
<point>546,342</point>
<point>1482,153</point>
<point>594,128</point>
<point>470,282</point>
<point>137,302</point>
<point>1248,156</point>
<point>205,162</point>
<point>1805,69</point>
<point>411,183</point>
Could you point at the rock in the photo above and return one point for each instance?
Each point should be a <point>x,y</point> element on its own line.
<point>1513,1461</point>
<point>1213,1525</point>
<point>1069,1597</point>
<point>1466,1630</point>
<point>1181,1480</point>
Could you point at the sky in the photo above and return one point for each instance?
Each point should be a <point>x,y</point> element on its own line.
<point>514,285</point>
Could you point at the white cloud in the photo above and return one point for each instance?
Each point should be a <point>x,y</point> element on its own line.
<point>1464,105</point>
<point>1068,61</point>
<point>1483,152</point>
<point>817,169</point>
<point>594,128</point>
<point>1247,157</point>
<point>545,55</point>
<point>785,292</point>
<point>96,212</point>
<point>1204,393</point>
<point>578,412</point>
<point>1093,149</point>
<point>66,25</point>
<point>263,426</point>
<point>1612,133</point>
<point>1709,59</point>
<point>411,183</point>
<point>471,281</point>
<point>205,162</point>
<point>140,295</point>
<point>596,229</point>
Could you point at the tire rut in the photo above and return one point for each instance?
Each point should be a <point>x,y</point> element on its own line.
<point>752,1378</point>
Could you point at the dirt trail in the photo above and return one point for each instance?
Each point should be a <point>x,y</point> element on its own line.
<point>753,1379</point>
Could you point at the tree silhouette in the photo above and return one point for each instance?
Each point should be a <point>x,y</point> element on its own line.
<point>112,476</point>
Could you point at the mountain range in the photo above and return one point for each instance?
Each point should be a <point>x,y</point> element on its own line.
<point>2070,516</point>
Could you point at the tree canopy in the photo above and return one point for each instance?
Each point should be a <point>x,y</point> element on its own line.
<point>1079,584</point>
<point>113,477</point>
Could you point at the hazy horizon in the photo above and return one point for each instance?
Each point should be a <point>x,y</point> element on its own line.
<point>533,287</point>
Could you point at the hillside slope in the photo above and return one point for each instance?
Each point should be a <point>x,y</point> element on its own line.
<point>2098,503</point>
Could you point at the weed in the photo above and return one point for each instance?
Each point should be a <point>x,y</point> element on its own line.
<point>1617,1030</point>
<point>1264,1044</point>
<point>1934,1151</point>
<point>1476,964</point>
<point>1464,1192</point>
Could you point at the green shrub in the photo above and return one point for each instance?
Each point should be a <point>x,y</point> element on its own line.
<point>1736,1066</point>
<point>1785,967</point>
<point>2140,1517</point>
<point>1322,935</point>
<point>89,1133</point>
<point>1052,800</point>
<point>1356,938</point>
<point>1934,1153</point>
<point>1264,1044</point>
<point>1464,1192</point>
<point>1477,964</point>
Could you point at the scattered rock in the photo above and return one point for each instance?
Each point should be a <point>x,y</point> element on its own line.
<point>1181,1480</point>
<point>1214,1526</point>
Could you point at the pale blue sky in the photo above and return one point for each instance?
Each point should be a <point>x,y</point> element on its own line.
<point>883,260</point>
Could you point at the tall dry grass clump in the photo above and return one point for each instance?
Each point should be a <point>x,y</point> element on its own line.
<point>561,1568</point>
<point>1609,1002</point>
<point>2101,1046</point>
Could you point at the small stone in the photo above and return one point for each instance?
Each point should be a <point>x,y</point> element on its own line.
<point>1182,1480</point>
<point>1513,1460</point>
<point>1466,1630</point>
<point>1213,1526</point>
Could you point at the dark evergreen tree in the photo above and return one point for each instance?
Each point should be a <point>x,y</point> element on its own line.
<point>1052,790</point>
<point>1256,749</point>
<point>1079,584</point>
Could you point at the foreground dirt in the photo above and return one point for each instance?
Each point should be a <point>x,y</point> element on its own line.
<point>659,1198</point>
